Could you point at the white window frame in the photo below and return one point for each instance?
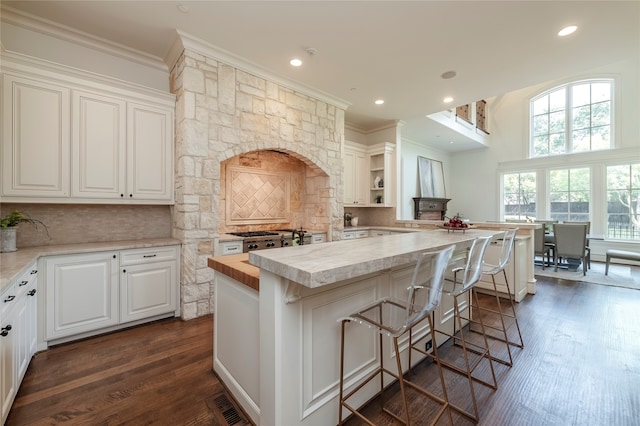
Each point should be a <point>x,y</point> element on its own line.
<point>567,114</point>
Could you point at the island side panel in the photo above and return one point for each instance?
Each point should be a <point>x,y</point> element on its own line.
<point>236,346</point>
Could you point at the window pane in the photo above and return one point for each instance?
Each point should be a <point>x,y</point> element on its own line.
<point>558,180</point>
<point>541,145</point>
<point>600,138</point>
<point>581,140</point>
<point>601,114</point>
<point>541,125</point>
<point>519,195</point>
<point>558,99</point>
<point>581,117</point>
<point>623,202</point>
<point>600,92</point>
<point>581,95</point>
<point>541,106</point>
<point>556,122</point>
<point>557,144</point>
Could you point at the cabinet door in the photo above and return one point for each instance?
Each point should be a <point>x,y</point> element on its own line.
<point>149,153</point>
<point>81,293</point>
<point>147,290</point>
<point>99,146</point>
<point>35,138</point>
<point>8,377</point>
<point>355,184</point>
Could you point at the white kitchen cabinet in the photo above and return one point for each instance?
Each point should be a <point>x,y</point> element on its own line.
<point>93,140</point>
<point>148,280</point>
<point>516,270</point>
<point>90,293</point>
<point>355,169</point>
<point>8,342</point>
<point>35,138</point>
<point>121,150</point>
<point>99,146</point>
<point>17,335</point>
<point>149,153</point>
<point>351,234</point>
<point>81,293</point>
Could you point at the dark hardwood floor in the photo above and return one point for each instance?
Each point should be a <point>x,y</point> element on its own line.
<point>580,366</point>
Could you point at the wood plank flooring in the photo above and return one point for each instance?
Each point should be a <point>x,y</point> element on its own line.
<point>580,366</point>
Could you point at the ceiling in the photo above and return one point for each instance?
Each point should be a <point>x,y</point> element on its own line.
<point>368,50</point>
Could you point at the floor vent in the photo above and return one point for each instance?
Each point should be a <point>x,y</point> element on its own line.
<point>229,412</point>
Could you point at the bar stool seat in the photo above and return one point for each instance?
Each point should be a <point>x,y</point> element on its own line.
<point>393,317</point>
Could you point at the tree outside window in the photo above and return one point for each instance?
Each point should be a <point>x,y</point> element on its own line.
<point>519,195</point>
<point>572,118</point>
<point>623,201</point>
<point>570,194</point>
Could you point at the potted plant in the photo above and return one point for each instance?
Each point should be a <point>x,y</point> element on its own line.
<point>8,228</point>
<point>378,199</point>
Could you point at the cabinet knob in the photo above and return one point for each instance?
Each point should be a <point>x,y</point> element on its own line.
<point>122,195</point>
<point>5,330</point>
<point>124,271</point>
<point>32,292</point>
<point>114,256</point>
<point>33,272</point>
<point>9,299</point>
<point>23,283</point>
<point>130,195</point>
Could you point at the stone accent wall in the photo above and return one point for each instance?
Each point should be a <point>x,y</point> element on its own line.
<point>222,112</point>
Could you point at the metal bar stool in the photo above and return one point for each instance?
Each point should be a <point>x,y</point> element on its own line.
<point>507,319</point>
<point>469,276</point>
<point>393,317</point>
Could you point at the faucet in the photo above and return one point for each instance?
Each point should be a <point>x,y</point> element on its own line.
<point>300,233</point>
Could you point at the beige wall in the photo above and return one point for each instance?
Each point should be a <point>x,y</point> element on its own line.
<point>83,223</point>
<point>222,112</point>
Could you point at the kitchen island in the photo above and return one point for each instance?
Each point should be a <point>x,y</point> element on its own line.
<point>277,348</point>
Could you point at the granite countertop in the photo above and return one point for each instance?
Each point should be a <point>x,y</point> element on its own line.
<point>316,265</point>
<point>15,263</point>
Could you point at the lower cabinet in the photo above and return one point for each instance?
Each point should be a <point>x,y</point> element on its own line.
<point>17,335</point>
<point>86,293</point>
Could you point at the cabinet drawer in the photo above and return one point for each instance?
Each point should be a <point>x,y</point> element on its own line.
<point>348,235</point>
<point>318,238</point>
<point>231,247</point>
<point>8,298</point>
<point>362,234</point>
<point>378,233</point>
<point>148,255</point>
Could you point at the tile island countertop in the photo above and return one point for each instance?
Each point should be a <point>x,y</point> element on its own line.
<point>14,264</point>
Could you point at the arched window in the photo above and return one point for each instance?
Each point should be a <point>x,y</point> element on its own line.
<point>575,117</point>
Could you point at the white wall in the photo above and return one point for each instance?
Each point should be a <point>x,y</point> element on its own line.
<point>408,172</point>
<point>474,187</point>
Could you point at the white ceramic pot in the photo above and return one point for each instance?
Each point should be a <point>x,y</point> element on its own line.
<point>8,239</point>
<point>354,221</point>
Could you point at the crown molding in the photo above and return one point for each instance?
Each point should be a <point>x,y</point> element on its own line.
<point>185,41</point>
<point>62,32</point>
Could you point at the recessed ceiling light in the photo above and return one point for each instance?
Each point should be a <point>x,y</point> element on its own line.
<point>447,100</point>
<point>449,74</point>
<point>379,102</point>
<point>295,62</point>
<point>567,30</point>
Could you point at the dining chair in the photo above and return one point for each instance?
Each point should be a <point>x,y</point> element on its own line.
<point>542,248</point>
<point>393,317</point>
<point>571,242</point>
<point>587,245</point>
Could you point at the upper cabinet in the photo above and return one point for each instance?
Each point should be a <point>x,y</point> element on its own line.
<point>69,140</point>
<point>35,138</point>
<point>368,175</point>
<point>355,168</point>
